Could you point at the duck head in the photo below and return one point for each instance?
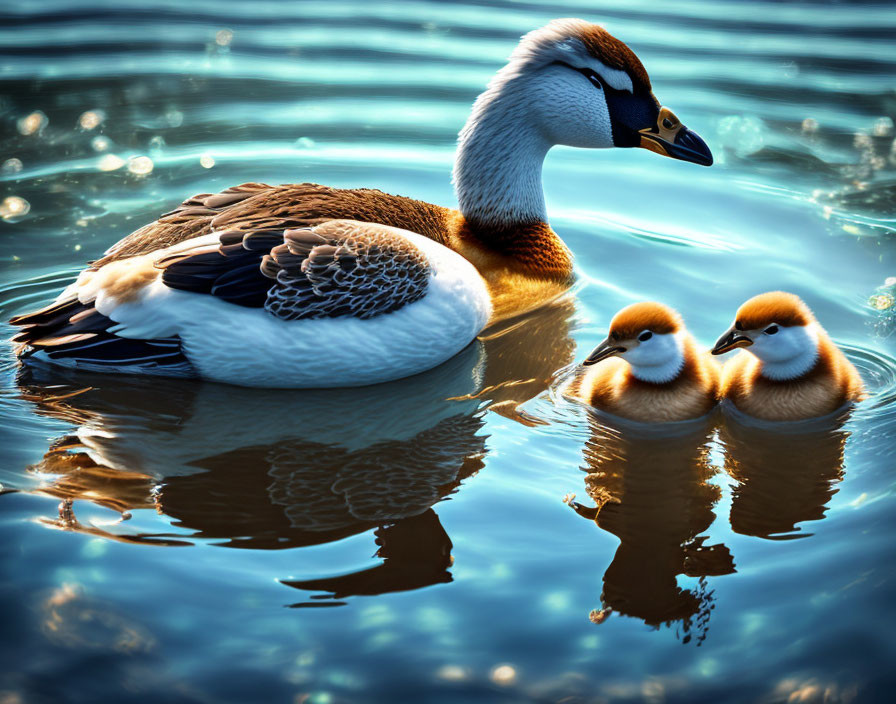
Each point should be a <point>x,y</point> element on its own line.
<point>569,83</point>
<point>650,337</point>
<point>583,87</point>
<point>779,329</point>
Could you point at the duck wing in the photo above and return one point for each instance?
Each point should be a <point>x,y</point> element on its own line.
<point>258,206</point>
<point>340,268</point>
<point>118,316</point>
<point>75,333</point>
<point>192,218</point>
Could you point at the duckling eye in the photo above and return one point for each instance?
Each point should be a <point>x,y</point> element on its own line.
<point>644,336</point>
<point>771,330</point>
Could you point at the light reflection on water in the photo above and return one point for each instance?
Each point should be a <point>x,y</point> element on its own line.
<point>432,536</point>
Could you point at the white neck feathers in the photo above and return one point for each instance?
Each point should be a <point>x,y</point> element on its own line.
<point>497,171</point>
<point>532,103</point>
<point>790,354</point>
<point>662,364</point>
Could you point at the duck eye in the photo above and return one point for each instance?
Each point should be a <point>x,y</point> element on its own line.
<point>644,336</point>
<point>595,80</point>
<point>771,330</point>
<point>737,325</point>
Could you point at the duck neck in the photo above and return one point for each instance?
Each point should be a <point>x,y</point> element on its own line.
<point>497,171</point>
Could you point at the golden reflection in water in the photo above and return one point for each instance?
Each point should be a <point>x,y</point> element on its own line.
<point>651,489</point>
<point>275,469</point>
<point>522,354</point>
<point>784,475</point>
<point>71,619</point>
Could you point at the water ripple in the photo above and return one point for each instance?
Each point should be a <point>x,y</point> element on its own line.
<point>16,296</point>
<point>878,370</point>
<point>665,233</point>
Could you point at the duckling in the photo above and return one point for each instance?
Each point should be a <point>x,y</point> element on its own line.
<point>303,285</point>
<point>794,371</point>
<point>650,369</point>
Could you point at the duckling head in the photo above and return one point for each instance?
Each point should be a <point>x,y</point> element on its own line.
<point>578,85</point>
<point>780,330</point>
<point>650,337</point>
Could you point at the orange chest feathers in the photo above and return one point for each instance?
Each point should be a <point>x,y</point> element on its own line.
<point>524,266</point>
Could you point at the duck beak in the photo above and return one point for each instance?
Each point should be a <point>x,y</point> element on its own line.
<point>671,138</point>
<point>731,340</point>
<point>607,348</point>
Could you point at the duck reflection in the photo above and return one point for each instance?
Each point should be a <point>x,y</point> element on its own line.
<point>522,354</point>
<point>651,489</point>
<point>785,474</point>
<point>416,553</point>
<point>268,469</point>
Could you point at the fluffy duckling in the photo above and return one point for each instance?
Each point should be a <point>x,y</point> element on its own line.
<point>650,369</point>
<point>794,371</point>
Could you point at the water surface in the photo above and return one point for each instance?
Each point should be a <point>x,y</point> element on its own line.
<point>189,542</point>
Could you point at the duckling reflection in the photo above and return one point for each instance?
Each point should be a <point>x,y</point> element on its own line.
<point>416,553</point>
<point>268,469</point>
<point>785,473</point>
<point>651,489</point>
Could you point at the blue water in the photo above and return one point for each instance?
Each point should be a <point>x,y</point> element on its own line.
<point>153,536</point>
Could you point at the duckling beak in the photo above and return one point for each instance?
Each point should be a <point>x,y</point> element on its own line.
<point>671,138</point>
<point>607,348</point>
<point>731,340</point>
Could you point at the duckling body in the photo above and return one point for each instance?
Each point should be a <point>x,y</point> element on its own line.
<point>831,383</point>
<point>674,382</point>
<point>305,285</point>
<point>792,370</point>
<point>691,394</point>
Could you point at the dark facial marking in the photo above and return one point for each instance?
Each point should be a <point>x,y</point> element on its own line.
<point>629,112</point>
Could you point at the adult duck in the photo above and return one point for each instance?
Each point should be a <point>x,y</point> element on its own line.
<point>310,286</point>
